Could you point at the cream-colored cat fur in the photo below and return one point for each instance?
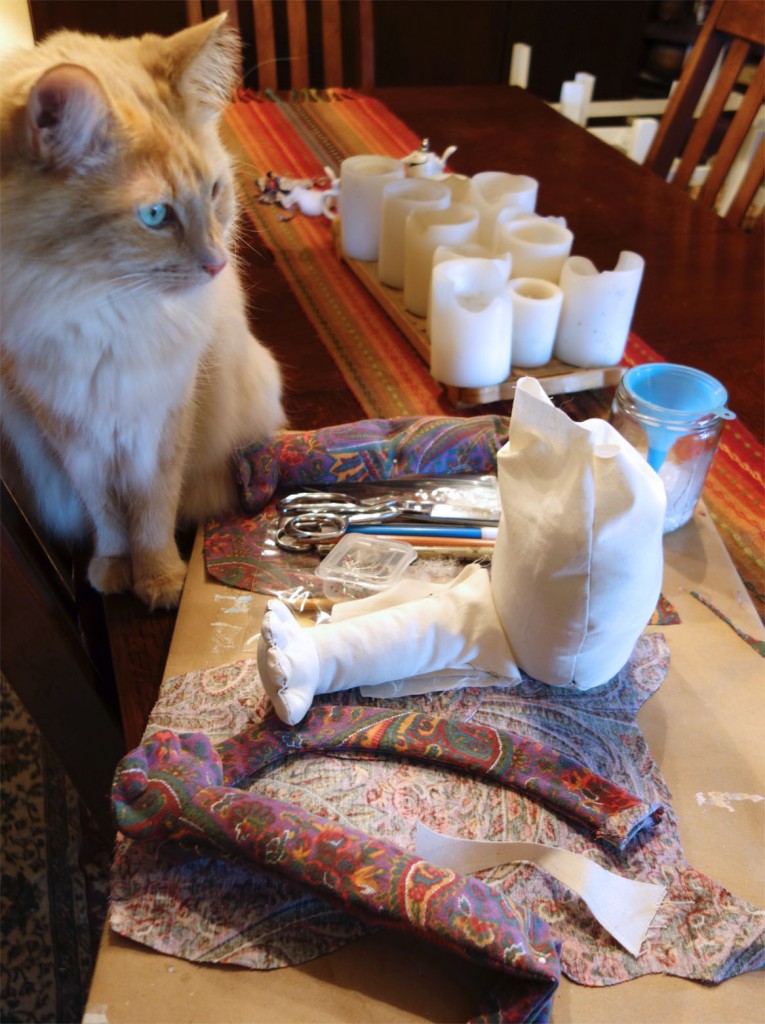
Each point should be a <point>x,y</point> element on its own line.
<point>129,374</point>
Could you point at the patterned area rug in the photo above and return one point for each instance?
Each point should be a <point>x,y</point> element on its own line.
<point>55,879</point>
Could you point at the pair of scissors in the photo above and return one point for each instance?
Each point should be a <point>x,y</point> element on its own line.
<point>318,517</point>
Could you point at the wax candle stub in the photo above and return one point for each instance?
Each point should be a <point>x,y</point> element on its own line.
<point>425,231</point>
<point>471,324</point>
<point>471,250</point>
<point>539,247</point>
<point>459,185</point>
<point>493,191</point>
<point>536,311</point>
<point>597,310</point>
<point>400,198</point>
<point>362,181</point>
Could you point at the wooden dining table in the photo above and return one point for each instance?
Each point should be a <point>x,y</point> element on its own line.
<point>701,303</point>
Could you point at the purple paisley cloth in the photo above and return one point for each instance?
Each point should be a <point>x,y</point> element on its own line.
<point>218,910</point>
<point>173,788</point>
<point>535,769</point>
<point>369,450</point>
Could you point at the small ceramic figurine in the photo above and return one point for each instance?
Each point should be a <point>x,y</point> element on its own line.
<point>312,196</point>
<point>424,164</point>
<point>311,201</point>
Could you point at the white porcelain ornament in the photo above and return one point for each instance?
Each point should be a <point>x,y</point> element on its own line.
<point>423,164</point>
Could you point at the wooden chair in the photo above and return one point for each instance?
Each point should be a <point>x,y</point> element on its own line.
<point>338,67</point>
<point>735,28</point>
<point>638,117</point>
<point>633,136</point>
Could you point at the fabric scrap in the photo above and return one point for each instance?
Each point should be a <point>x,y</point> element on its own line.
<point>625,907</point>
<point>172,788</point>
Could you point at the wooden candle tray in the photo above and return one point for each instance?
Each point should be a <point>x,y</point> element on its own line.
<point>556,378</point>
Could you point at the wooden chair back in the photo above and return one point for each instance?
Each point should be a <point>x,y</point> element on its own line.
<point>734,29</point>
<point>352,65</point>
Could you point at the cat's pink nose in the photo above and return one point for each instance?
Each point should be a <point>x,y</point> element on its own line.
<point>214,267</point>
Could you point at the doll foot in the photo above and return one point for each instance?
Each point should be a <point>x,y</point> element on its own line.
<point>287,663</point>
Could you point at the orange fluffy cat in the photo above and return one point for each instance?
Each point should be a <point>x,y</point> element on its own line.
<point>129,374</point>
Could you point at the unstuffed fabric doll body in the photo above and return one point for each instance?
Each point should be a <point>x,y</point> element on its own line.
<point>575,576</point>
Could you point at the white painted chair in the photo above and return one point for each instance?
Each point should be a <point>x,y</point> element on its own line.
<point>634,138</point>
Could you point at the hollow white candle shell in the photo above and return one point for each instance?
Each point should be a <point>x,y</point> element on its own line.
<point>459,185</point>
<point>472,250</point>
<point>505,215</point>
<point>536,312</point>
<point>471,324</point>
<point>492,191</point>
<point>399,199</point>
<point>362,180</point>
<point>425,231</point>
<point>597,310</point>
<point>539,247</point>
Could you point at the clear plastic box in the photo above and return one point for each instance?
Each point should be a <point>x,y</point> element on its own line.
<point>363,563</point>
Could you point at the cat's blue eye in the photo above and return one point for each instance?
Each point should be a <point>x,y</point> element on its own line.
<point>154,215</point>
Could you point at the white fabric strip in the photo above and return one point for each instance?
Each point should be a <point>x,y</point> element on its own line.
<point>624,907</point>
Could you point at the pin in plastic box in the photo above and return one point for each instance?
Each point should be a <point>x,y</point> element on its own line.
<point>358,563</point>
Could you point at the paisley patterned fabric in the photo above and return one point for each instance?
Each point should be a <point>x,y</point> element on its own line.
<point>172,788</point>
<point>370,450</point>
<point>561,782</point>
<point>213,910</point>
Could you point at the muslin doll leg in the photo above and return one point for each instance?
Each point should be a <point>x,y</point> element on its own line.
<point>452,628</point>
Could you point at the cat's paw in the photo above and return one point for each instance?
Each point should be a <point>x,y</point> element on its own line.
<point>163,590</point>
<point>287,663</point>
<point>158,577</point>
<point>111,574</point>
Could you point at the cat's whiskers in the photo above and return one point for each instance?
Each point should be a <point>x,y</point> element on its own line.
<point>262,63</point>
<point>134,283</point>
<point>108,292</point>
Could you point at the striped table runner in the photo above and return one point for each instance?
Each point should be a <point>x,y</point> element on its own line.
<point>311,131</point>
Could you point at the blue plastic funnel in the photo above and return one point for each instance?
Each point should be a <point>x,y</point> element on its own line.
<point>671,401</point>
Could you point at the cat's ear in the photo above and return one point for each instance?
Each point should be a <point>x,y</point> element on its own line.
<point>206,63</point>
<point>68,117</point>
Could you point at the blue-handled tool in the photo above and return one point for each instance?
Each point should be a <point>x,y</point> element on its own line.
<point>414,530</point>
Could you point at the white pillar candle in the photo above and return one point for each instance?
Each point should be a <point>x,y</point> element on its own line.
<point>459,185</point>
<point>399,199</point>
<point>492,191</point>
<point>539,247</point>
<point>471,324</point>
<point>362,180</point>
<point>597,310</point>
<point>536,312</point>
<point>425,231</point>
<point>505,215</point>
<point>472,250</point>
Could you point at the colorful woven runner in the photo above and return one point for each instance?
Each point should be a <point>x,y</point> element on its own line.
<point>300,138</point>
